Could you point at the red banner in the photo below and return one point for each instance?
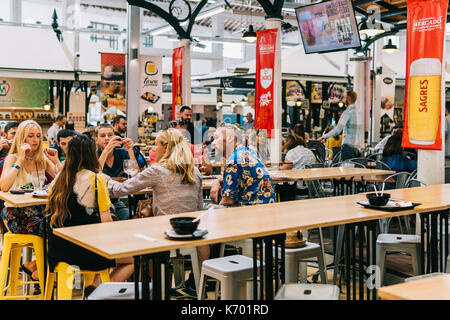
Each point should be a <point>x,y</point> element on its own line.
<point>424,88</point>
<point>265,63</point>
<point>112,84</point>
<point>177,76</point>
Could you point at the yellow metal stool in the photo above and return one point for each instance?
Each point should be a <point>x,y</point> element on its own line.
<point>11,255</point>
<point>64,276</point>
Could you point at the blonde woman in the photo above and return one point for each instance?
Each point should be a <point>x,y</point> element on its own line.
<point>27,164</point>
<point>176,182</point>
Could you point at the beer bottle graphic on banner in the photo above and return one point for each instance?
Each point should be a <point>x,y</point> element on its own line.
<point>178,100</point>
<point>424,100</point>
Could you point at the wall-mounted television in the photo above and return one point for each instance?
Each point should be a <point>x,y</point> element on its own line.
<point>328,26</point>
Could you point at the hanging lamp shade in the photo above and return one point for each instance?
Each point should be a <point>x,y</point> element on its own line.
<point>390,47</point>
<point>370,32</point>
<point>249,35</point>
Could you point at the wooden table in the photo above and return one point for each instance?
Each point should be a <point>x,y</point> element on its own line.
<point>22,200</point>
<point>263,223</point>
<point>433,288</point>
<point>326,173</point>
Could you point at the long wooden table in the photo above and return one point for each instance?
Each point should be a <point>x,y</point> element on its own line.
<point>22,200</point>
<point>433,288</point>
<point>145,237</point>
<point>325,173</point>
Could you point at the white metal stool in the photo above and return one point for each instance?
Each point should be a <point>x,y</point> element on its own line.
<point>303,291</point>
<point>387,242</point>
<point>116,291</point>
<point>229,271</point>
<point>294,256</point>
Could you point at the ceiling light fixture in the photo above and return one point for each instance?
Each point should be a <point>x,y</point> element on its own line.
<point>390,47</point>
<point>249,35</point>
<point>372,31</point>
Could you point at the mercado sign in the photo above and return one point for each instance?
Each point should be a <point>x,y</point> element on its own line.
<point>424,88</point>
<point>23,93</point>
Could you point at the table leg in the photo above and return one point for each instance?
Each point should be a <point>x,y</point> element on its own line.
<point>434,241</point>
<point>141,270</point>
<point>366,231</point>
<point>265,247</point>
<point>137,268</point>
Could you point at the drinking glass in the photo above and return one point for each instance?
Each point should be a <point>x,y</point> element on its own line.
<point>38,181</point>
<point>130,167</point>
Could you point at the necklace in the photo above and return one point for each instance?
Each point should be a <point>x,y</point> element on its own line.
<point>29,158</point>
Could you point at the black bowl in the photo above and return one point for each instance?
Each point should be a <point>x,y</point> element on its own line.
<point>184,225</point>
<point>379,200</point>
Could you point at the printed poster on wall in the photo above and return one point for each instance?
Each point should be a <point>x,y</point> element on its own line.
<point>265,62</point>
<point>294,91</point>
<point>424,89</point>
<point>177,77</point>
<point>387,92</point>
<point>316,93</point>
<point>77,112</point>
<point>336,93</point>
<point>112,83</point>
<point>23,93</point>
<point>150,90</point>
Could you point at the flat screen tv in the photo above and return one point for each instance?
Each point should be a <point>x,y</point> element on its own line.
<point>328,26</point>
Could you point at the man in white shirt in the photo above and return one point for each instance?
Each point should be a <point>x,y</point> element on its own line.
<point>52,132</point>
<point>350,124</point>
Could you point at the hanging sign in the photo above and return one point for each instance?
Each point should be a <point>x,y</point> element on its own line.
<point>424,89</point>
<point>387,92</point>
<point>150,84</point>
<point>265,63</point>
<point>177,76</point>
<point>112,83</point>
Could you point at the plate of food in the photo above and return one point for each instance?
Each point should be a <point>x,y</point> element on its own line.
<point>29,187</point>
<point>40,194</point>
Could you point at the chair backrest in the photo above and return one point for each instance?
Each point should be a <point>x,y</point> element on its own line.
<point>318,149</point>
<point>363,161</point>
<point>315,165</point>
<point>381,165</point>
<point>375,156</point>
<point>348,163</point>
<point>315,189</point>
<point>411,183</point>
<point>400,179</point>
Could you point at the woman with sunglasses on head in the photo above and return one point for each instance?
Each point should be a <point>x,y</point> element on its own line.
<point>27,166</point>
<point>79,196</point>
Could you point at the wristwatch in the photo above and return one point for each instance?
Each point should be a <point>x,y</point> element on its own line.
<point>15,166</point>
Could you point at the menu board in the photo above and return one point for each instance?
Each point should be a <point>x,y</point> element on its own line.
<point>328,26</point>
